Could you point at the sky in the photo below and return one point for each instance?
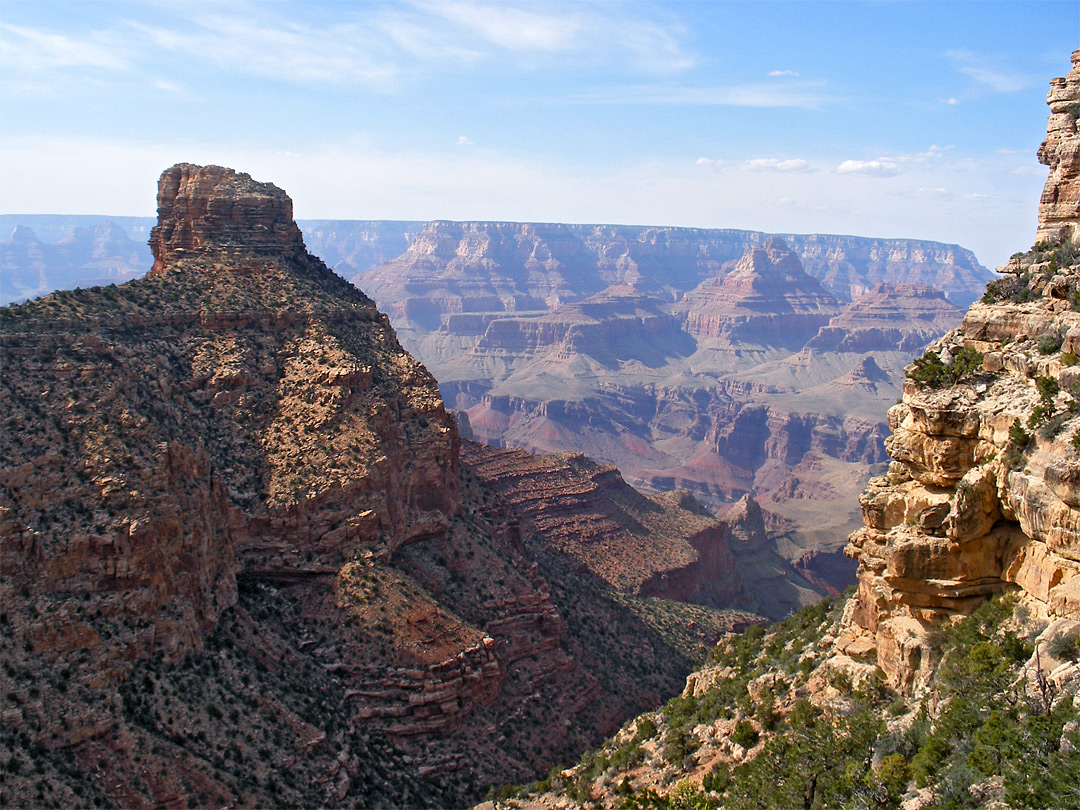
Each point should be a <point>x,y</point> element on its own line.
<point>891,119</point>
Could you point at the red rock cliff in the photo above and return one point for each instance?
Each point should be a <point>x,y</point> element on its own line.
<point>211,209</point>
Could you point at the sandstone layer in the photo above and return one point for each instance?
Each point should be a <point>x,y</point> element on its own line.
<point>983,494</point>
<point>1059,207</point>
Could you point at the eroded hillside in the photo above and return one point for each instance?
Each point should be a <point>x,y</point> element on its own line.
<point>243,563</point>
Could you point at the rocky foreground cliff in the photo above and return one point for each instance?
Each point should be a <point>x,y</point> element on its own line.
<point>950,677</point>
<point>244,563</point>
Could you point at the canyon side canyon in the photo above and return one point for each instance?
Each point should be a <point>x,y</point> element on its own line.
<point>949,678</point>
<point>727,363</point>
<point>247,557</point>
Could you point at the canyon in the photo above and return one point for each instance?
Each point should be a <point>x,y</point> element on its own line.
<point>249,556</point>
<point>667,354</point>
<point>245,559</point>
<point>725,362</point>
<point>949,677</point>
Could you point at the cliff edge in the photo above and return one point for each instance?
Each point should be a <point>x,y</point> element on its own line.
<point>983,494</point>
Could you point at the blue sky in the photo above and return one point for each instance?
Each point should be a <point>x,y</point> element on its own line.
<point>911,119</point>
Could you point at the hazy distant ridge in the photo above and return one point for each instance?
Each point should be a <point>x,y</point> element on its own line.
<point>61,251</point>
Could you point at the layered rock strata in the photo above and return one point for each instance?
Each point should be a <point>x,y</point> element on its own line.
<point>1059,207</point>
<point>211,211</point>
<point>753,381</point>
<point>983,494</point>
<point>165,437</point>
<point>665,546</point>
<point>766,298</point>
<point>241,561</point>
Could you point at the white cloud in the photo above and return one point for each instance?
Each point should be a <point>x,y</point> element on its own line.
<point>936,193</point>
<point>775,164</point>
<point>783,73</point>
<point>747,95</point>
<point>984,71</point>
<point>511,27</point>
<point>338,54</point>
<point>378,45</point>
<point>869,168</point>
<point>950,101</point>
<point>464,140</point>
<point>567,29</point>
<point>168,86</point>
<point>32,50</point>
<point>933,153</point>
<point>785,201</point>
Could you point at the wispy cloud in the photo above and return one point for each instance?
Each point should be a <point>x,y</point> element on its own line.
<point>581,30</point>
<point>869,168</point>
<point>952,102</point>
<point>783,73</point>
<point>987,72</point>
<point>338,54</point>
<point>933,153</point>
<point>33,50</point>
<point>464,140</point>
<point>745,95</point>
<point>931,193</point>
<point>510,27</point>
<point>168,86</point>
<point>797,165</point>
<point>365,44</point>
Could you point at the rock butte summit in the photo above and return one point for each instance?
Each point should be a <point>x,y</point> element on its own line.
<point>213,211</point>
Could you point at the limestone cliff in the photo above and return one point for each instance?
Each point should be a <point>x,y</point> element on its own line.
<point>983,495</point>
<point>1060,151</point>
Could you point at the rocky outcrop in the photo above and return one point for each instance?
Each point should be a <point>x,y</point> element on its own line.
<point>665,546</point>
<point>766,298</point>
<point>211,210</point>
<point>889,318</point>
<point>981,497</point>
<point>202,426</point>
<point>1059,207</point>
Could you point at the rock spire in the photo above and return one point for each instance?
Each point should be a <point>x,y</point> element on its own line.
<point>1059,208</point>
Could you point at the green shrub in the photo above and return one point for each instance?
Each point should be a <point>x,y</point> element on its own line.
<point>1048,344</point>
<point>1012,288</point>
<point>1064,647</point>
<point>929,372</point>
<point>745,734</point>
